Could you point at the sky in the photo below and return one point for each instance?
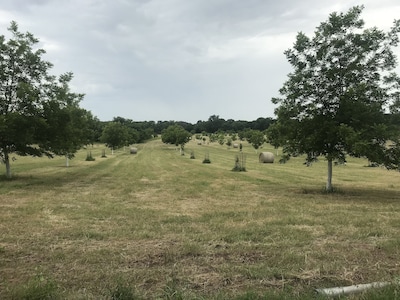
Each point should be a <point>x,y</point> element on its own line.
<point>177,60</point>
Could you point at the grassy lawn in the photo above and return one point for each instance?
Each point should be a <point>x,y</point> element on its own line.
<point>158,225</point>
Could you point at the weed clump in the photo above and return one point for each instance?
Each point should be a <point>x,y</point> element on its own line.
<point>40,287</point>
<point>123,292</point>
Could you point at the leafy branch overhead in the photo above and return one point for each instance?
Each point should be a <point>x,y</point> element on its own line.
<point>342,95</point>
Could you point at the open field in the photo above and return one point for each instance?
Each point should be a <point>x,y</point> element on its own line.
<point>157,225</point>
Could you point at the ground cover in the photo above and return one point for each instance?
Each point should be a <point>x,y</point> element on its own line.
<point>158,225</point>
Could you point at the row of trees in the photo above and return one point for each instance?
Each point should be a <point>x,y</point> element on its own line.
<point>120,132</point>
<point>342,98</point>
<point>214,124</point>
<point>178,136</point>
<point>39,115</point>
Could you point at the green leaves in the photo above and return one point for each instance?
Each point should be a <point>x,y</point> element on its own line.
<point>38,113</point>
<point>116,135</point>
<point>175,135</point>
<point>334,102</point>
<point>256,138</point>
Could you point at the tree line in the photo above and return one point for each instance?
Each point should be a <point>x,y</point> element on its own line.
<point>123,132</point>
<point>41,116</point>
<point>212,125</point>
<point>341,99</point>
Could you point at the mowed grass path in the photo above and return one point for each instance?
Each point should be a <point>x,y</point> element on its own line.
<point>166,225</point>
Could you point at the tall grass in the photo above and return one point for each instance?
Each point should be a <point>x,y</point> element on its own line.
<point>165,226</point>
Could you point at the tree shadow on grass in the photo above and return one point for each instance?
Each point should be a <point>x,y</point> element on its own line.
<point>43,180</point>
<point>358,194</point>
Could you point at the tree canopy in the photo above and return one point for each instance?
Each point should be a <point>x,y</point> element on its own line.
<point>39,115</point>
<point>256,138</point>
<point>116,135</point>
<point>175,135</point>
<point>337,100</point>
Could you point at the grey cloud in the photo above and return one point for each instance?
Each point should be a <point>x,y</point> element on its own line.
<point>174,59</point>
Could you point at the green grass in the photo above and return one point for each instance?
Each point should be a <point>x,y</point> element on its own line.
<point>158,225</point>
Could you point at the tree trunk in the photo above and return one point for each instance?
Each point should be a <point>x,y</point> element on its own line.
<point>329,187</point>
<point>8,167</point>
<point>66,161</point>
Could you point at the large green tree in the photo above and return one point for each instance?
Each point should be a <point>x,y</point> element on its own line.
<point>337,100</point>
<point>38,113</point>
<point>256,138</point>
<point>116,135</point>
<point>175,135</point>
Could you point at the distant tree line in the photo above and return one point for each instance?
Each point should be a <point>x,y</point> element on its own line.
<point>141,131</point>
<point>342,99</point>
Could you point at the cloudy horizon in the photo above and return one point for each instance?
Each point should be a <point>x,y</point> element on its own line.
<point>161,60</point>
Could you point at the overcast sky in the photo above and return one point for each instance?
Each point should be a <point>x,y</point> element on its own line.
<point>182,60</point>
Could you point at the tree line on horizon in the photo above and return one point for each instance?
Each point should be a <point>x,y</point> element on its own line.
<point>341,99</point>
<point>146,129</point>
<point>41,116</point>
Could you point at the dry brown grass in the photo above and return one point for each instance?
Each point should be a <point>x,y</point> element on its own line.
<point>164,223</point>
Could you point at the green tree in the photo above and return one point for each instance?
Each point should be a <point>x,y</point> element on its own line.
<point>175,135</point>
<point>38,113</point>
<point>213,137</point>
<point>256,138</point>
<point>334,102</point>
<point>116,135</point>
<point>244,134</point>
<point>214,123</point>
<point>229,142</point>
<point>67,125</point>
<point>274,135</point>
<point>221,138</point>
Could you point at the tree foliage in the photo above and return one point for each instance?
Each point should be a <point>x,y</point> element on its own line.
<point>256,138</point>
<point>337,99</point>
<point>116,135</point>
<point>39,115</point>
<point>143,131</point>
<point>175,135</point>
<point>67,125</point>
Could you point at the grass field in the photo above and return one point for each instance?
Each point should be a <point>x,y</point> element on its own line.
<point>158,225</point>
